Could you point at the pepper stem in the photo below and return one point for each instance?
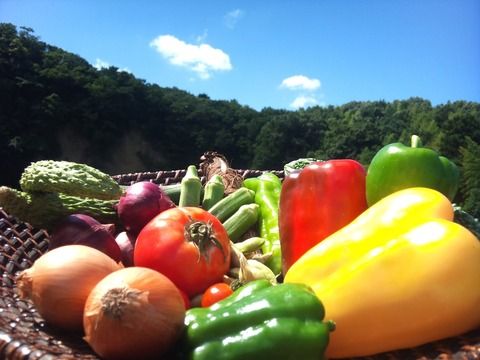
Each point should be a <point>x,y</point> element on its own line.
<point>202,235</point>
<point>416,141</point>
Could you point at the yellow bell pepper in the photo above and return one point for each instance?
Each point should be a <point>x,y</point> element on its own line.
<point>400,275</point>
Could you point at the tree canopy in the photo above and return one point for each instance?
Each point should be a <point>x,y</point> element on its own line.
<point>55,105</point>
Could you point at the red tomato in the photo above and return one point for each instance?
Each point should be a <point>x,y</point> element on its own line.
<point>188,245</point>
<point>215,293</point>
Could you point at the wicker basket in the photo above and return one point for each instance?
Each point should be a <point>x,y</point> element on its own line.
<point>24,334</point>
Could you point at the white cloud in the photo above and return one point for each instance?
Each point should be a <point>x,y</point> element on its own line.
<point>203,59</point>
<point>300,82</point>
<point>233,17</point>
<point>100,64</point>
<point>203,37</point>
<point>304,101</point>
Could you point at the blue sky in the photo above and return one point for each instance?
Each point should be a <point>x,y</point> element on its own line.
<point>279,54</point>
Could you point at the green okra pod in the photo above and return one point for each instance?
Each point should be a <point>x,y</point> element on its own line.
<point>242,220</point>
<point>250,244</point>
<point>231,203</point>
<point>214,191</point>
<point>191,188</point>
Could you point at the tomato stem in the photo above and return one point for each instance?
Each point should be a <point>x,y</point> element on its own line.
<point>202,235</point>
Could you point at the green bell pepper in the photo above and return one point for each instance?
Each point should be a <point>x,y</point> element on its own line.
<point>259,321</point>
<point>267,188</point>
<point>396,167</point>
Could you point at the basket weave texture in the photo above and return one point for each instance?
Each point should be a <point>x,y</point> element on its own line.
<point>24,334</point>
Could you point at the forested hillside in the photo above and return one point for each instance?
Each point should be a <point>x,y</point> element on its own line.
<point>55,105</point>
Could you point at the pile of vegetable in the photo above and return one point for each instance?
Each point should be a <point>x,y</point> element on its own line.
<point>331,261</point>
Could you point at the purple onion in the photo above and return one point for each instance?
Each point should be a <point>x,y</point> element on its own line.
<point>140,203</point>
<point>80,229</point>
<point>126,242</point>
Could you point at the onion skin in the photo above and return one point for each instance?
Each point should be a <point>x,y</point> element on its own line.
<point>140,203</point>
<point>126,242</point>
<point>133,313</point>
<point>80,229</point>
<point>60,281</point>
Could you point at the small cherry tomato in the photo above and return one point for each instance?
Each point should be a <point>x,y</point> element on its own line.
<point>215,293</point>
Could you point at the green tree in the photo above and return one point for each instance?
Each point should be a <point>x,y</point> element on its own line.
<point>55,105</point>
<point>456,121</point>
<point>470,184</point>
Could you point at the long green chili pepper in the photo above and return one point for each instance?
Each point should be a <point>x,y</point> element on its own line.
<point>267,189</point>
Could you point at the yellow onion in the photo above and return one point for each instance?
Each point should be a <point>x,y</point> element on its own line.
<point>133,313</point>
<point>60,281</point>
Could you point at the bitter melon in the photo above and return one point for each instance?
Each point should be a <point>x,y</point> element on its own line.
<point>69,178</point>
<point>44,210</point>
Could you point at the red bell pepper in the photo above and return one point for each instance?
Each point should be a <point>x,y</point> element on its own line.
<point>316,201</point>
